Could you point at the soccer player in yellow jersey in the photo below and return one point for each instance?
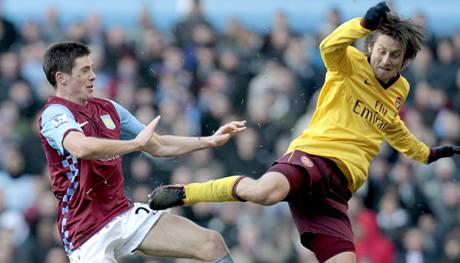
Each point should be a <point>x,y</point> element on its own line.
<point>357,109</point>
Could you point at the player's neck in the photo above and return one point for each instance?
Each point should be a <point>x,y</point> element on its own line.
<point>67,96</point>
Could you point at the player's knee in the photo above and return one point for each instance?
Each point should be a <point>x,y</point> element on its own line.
<point>213,248</point>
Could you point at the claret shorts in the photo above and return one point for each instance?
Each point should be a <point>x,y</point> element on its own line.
<point>318,202</point>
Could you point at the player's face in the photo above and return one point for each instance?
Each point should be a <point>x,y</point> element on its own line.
<point>386,57</point>
<point>81,80</point>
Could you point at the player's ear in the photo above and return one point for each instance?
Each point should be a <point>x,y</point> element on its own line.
<point>369,48</point>
<point>404,63</point>
<point>61,78</point>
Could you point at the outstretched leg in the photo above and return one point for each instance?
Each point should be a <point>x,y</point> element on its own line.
<point>177,237</point>
<point>271,188</point>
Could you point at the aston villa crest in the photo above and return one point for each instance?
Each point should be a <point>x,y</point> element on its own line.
<point>108,122</point>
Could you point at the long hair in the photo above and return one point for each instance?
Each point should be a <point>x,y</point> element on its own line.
<point>404,31</point>
<point>61,56</point>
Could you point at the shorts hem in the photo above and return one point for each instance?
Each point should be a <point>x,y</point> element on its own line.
<point>141,233</point>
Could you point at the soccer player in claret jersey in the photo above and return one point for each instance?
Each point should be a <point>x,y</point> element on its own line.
<point>84,138</point>
<point>357,109</point>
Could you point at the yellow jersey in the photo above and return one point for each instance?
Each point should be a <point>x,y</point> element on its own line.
<point>354,113</point>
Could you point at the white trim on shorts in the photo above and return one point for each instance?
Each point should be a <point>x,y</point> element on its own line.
<point>120,237</point>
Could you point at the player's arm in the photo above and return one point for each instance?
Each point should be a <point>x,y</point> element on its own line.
<point>62,132</point>
<point>400,138</point>
<point>334,47</point>
<point>169,145</point>
<point>86,147</point>
<point>405,142</point>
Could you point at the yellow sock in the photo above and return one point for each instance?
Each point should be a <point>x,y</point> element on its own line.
<point>220,190</point>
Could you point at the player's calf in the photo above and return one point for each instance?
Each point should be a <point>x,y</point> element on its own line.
<point>220,190</point>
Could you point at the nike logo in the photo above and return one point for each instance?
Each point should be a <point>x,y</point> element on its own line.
<point>366,81</point>
<point>82,124</point>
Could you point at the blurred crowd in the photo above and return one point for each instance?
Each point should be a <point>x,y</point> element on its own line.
<point>197,78</point>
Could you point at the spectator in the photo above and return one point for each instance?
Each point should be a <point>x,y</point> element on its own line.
<point>414,248</point>
<point>8,34</point>
<point>371,244</point>
<point>194,17</point>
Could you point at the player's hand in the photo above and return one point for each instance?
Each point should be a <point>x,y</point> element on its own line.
<point>442,151</point>
<point>143,138</point>
<point>375,15</point>
<point>226,131</point>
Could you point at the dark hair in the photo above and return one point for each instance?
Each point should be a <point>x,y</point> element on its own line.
<point>61,56</point>
<point>405,31</point>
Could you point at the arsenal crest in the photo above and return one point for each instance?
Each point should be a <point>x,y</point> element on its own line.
<point>398,102</point>
<point>306,161</point>
<point>108,122</point>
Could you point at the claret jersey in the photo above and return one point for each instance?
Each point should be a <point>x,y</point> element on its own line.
<point>90,193</point>
<point>354,113</point>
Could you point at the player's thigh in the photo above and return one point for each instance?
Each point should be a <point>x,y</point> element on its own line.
<point>344,257</point>
<point>176,236</point>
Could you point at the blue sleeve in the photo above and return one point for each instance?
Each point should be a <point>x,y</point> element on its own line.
<point>56,120</point>
<point>130,125</point>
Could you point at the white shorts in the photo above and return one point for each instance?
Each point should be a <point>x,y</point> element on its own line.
<point>120,237</point>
